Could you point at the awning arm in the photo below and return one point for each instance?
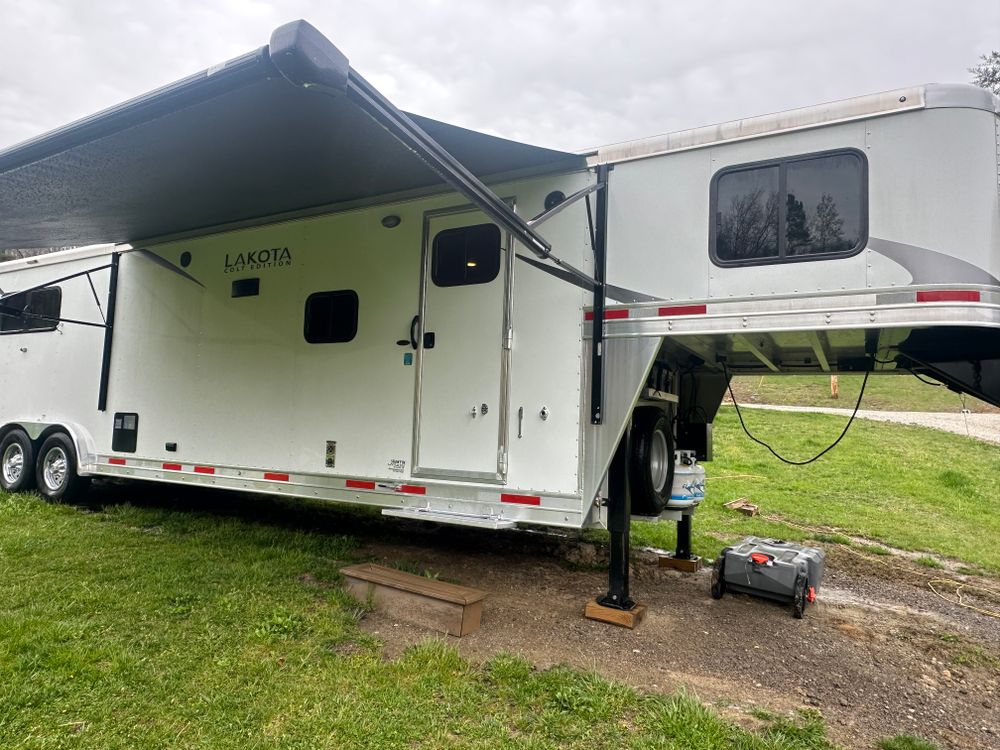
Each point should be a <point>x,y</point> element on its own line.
<point>550,212</point>
<point>308,59</point>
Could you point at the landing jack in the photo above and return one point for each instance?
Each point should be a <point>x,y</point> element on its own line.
<point>617,606</point>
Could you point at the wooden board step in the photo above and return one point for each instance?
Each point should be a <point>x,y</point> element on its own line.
<point>444,607</point>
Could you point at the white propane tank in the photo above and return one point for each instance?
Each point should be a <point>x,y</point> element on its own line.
<point>689,481</point>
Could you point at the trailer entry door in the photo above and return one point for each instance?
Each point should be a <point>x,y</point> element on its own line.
<point>463,348</point>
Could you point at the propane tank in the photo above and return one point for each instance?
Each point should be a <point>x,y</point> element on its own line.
<point>689,481</point>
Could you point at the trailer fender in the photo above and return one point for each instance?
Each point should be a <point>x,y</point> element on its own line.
<point>83,441</point>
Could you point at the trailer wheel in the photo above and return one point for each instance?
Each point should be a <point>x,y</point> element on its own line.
<point>719,577</point>
<point>801,596</point>
<point>651,470</point>
<point>56,468</point>
<point>17,461</point>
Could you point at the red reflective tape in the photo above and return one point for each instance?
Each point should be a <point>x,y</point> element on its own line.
<point>412,489</point>
<point>204,470</point>
<point>608,315</point>
<point>521,499</point>
<point>116,461</point>
<point>172,467</point>
<point>271,477</point>
<point>952,295</point>
<point>357,484</point>
<point>684,310</point>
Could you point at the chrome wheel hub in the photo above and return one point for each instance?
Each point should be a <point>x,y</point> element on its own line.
<point>12,464</point>
<point>659,460</point>
<point>54,469</point>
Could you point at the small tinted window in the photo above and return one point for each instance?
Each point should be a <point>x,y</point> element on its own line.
<point>792,209</point>
<point>31,311</point>
<point>466,255</point>
<point>331,317</point>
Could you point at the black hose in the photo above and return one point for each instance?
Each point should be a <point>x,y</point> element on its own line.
<point>777,455</point>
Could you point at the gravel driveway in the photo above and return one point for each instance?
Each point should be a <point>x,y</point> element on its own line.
<point>984,427</point>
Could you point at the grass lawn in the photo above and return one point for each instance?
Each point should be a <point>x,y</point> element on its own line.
<point>138,627</point>
<point>884,393</point>
<point>910,487</point>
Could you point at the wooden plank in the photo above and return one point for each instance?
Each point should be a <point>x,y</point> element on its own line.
<point>626,618</point>
<point>690,565</point>
<point>449,592</point>
<point>443,607</point>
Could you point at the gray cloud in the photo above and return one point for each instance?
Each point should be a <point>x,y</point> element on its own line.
<point>566,75</point>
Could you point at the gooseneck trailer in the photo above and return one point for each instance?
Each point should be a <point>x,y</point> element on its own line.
<point>300,290</point>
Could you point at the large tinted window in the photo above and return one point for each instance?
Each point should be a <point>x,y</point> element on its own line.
<point>331,317</point>
<point>801,208</point>
<point>31,311</point>
<point>466,255</point>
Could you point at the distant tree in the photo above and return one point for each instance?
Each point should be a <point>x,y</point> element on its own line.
<point>749,227</point>
<point>986,73</point>
<point>827,226</point>
<point>796,225</point>
<point>15,254</point>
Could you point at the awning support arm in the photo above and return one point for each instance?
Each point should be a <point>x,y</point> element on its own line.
<point>548,214</point>
<point>109,330</point>
<point>600,299</point>
<point>54,282</point>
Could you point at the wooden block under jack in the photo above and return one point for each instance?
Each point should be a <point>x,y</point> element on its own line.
<point>689,565</point>
<point>626,618</point>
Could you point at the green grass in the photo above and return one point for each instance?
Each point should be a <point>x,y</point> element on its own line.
<point>883,393</point>
<point>145,627</point>
<point>905,742</point>
<point>909,487</point>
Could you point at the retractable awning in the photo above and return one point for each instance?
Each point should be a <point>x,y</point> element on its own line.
<point>287,128</point>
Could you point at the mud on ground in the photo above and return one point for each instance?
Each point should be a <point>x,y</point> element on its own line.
<point>878,654</point>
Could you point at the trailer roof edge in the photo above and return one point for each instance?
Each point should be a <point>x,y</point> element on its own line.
<point>927,96</point>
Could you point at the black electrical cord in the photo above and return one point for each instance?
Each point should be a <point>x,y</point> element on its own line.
<point>777,455</point>
<point>912,372</point>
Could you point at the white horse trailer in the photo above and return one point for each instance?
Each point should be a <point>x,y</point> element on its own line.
<point>310,293</point>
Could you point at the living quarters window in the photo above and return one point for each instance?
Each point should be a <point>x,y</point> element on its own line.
<point>331,317</point>
<point>37,310</point>
<point>801,208</point>
<point>466,255</point>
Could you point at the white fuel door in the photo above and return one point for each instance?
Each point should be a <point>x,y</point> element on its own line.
<point>463,349</point>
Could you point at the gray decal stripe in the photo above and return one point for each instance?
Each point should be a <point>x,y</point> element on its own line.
<point>931,267</point>
<point>616,293</point>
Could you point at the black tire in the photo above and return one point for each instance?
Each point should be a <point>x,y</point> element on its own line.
<point>17,462</point>
<point>719,577</point>
<point>56,470</point>
<point>801,596</point>
<point>651,465</point>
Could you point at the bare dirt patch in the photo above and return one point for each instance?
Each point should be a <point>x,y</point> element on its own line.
<point>879,653</point>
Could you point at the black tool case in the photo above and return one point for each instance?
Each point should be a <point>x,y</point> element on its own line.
<point>770,568</point>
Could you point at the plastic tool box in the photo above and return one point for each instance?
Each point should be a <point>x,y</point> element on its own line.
<point>770,568</point>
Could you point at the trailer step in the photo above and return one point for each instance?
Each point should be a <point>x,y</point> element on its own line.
<point>457,519</point>
<point>444,607</point>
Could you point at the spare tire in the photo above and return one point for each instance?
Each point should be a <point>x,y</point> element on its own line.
<point>651,465</point>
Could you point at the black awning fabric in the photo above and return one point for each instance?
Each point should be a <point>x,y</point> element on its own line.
<point>233,145</point>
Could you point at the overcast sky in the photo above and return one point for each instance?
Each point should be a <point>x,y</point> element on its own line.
<point>567,74</point>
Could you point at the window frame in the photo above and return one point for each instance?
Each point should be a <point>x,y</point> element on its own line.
<point>782,257</point>
<point>331,292</point>
<point>434,266</point>
<point>46,329</point>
